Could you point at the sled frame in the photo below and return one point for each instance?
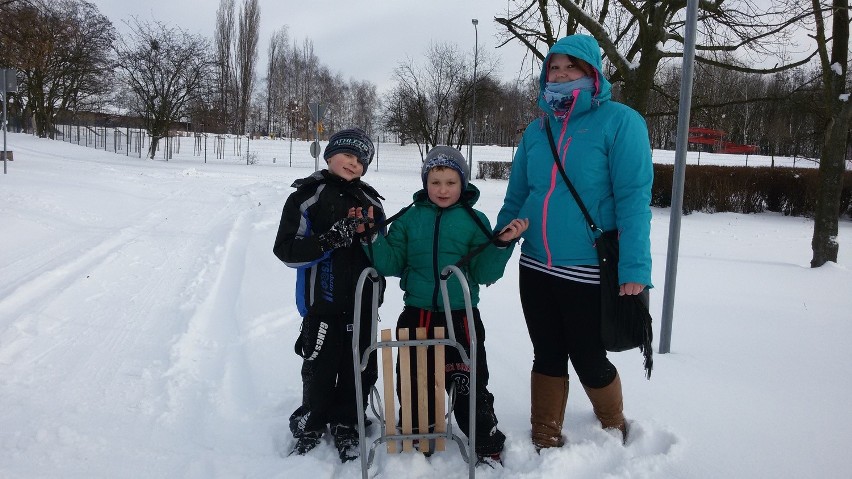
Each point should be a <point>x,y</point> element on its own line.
<point>385,411</point>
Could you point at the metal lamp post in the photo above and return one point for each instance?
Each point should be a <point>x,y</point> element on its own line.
<point>475,22</point>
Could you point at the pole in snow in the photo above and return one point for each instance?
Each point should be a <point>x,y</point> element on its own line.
<point>679,174</point>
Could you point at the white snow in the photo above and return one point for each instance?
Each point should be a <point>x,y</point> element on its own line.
<point>837,68</point>
<point>146,331</point>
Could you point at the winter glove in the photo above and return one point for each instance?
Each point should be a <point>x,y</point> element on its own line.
<point>339,235</point>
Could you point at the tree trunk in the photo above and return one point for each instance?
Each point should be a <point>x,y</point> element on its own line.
<point>833,155</point>
<point>152,150</point>
<point>832,163</point>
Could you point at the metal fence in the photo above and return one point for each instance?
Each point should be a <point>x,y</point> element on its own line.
<point>241,149</point>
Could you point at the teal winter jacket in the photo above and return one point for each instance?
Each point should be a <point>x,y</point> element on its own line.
<point>425,239</point>
<point>604,148</point>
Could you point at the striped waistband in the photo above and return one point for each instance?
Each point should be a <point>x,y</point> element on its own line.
<point>590,274</point>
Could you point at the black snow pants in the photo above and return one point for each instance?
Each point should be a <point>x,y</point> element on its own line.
<point>328,377</point>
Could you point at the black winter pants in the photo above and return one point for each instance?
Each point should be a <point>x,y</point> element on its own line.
<point>456,373</point>
<point>563,320</point>
<point>328,377</point>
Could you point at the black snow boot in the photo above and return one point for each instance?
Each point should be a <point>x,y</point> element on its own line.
<point>346,441</point>
<point>490,446</point>
<point>305,442</point>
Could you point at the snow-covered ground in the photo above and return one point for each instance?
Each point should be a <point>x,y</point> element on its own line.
<point>146,331</point>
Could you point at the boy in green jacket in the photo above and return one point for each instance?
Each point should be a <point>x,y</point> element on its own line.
<point>438,230</point>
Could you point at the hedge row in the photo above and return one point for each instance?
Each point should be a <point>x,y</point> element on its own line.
<point>740,189</point>
<point>743,189</point>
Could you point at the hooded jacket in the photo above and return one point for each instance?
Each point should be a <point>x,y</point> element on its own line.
<point>325,282</point>
<point>426,239</point>
<point>604,148</point>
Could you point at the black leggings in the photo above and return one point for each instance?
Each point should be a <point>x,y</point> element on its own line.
<point>563,320</point>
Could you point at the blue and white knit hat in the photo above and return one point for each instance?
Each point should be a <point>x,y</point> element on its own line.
<point>354,141</point>
<point>445,156</point>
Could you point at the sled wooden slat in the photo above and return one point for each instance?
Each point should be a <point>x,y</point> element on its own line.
<point>422,389</point>
<point>387,375</point>
<point>405,388</point>
<point>440,410</point>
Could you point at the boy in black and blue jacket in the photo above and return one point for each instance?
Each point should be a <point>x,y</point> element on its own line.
<point>315,237</point>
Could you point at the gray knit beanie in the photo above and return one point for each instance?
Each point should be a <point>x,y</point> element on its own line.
<point>354,141</point>
<point>445,156</point>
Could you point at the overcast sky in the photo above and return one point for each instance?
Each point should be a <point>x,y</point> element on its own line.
<point>361,39</point>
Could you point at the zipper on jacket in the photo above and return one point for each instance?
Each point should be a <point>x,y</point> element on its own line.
<point>436,274</point>
<point>553,176</point>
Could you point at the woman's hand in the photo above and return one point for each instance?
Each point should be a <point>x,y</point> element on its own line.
<point>630,289</point>
<point>513,230</point>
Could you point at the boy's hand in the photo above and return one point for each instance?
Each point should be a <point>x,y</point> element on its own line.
<point>339,235</point>
<point>363,221</point>
<point>513,230</point>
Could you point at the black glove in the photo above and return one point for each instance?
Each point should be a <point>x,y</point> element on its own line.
<point>339,235</point>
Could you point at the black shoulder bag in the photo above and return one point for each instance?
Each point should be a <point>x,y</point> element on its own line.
<point>625,320</point>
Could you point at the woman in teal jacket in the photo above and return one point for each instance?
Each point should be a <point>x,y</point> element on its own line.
<point>438,230</point>
<point>603,147</point>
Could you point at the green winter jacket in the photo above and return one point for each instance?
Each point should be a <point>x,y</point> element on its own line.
<point>425,239</point>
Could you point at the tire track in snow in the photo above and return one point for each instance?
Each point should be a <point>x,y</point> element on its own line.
<point>27,304</point>
<point>103,360</point>
<point>209,381</point>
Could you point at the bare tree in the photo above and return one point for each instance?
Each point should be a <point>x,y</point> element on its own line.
<point>163,67</point>
<point>224,39</point>
<point>245,60</point>
<point>432,101</point>
<point>637,36</point>
<point>275,97</point>
<point>364,101</point>
<point>296,78</point>
<point>62,51</point>
<point>837,112</point>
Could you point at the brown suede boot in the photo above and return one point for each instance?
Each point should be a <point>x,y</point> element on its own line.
<point>608,405</point>
<point>549,396</point>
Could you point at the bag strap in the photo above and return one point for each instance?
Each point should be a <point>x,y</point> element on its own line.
<point>370,230</point>
<point>565,177</point>
<point>476,219</point>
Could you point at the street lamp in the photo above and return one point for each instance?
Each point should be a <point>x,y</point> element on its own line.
<point>475,22</point>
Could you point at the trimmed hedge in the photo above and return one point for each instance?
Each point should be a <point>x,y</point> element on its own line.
<point>740,189</point>
<point>497,170</point>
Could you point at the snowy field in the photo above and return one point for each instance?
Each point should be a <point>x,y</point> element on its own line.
<point>146,331</point>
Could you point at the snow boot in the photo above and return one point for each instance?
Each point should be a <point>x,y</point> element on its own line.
<point>346,441</point>
<point>608,405</point>
<point>490,444</point>
<point>305,442</point>
<point>492,460</point>
<point>489,447</point>
<point>549,395</point>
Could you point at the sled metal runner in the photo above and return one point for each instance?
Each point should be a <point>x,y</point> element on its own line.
<point>444,429</point>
